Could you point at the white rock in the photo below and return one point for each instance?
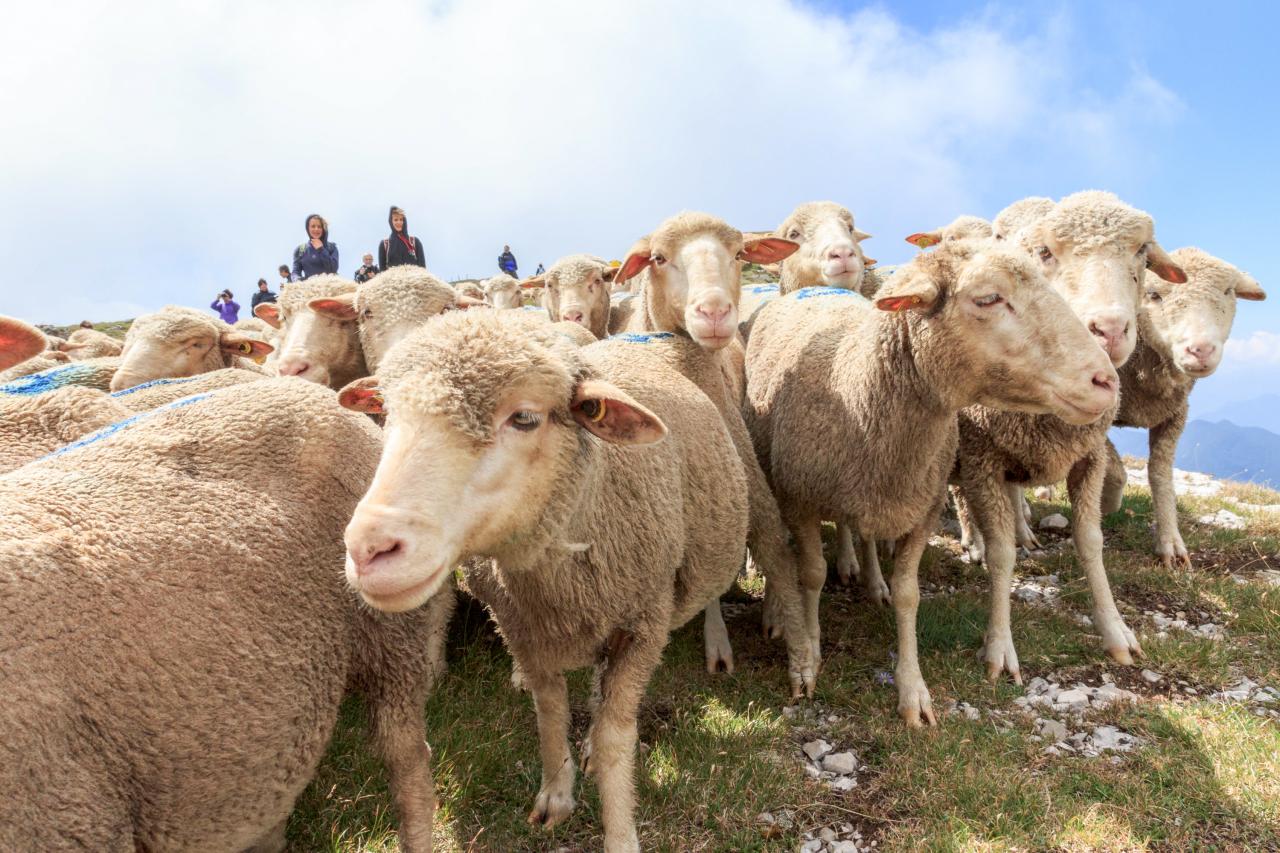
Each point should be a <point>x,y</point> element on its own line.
<point>969,711</point>
<point>815,749</point>
<point>843,783</point>
<point>840,762</point>
<point>844,847</point>
<point>827,834</point>
<point>1239,693</point>
<point>1037,686</point>
<point>1057,521</point>
<point>1151,677</point>
<point>1223,518</point>
<point>812,846</point>
<point>1052,730</point>
<point>1074,698</point>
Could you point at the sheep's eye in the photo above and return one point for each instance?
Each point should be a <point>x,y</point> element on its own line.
<point>1044,253</point>
<point>524,420</point>
<point>1154,296</point>
<point>793,234</point>
<point>988,300</point>
<point>657,259</point>
<point>367,313</point>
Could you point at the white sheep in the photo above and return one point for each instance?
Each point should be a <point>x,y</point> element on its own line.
<point>853,407</point>
<point>577,291</point>
<point>84,344</point>
<point>1016,216</point>
<point>314,346</point>
<point>1182,332</point>
<point>502,291</point>
<point>587,535</point>
<point>176,341</point>
<point>173,670</point>
<point>830,250</point>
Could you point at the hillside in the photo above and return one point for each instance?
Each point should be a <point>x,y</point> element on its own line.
<point>1263,411</point>
<point>1223,449</point>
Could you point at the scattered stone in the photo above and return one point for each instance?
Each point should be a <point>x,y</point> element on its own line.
<point>812,846</point>
<point>1051,730</point>
<point>1224,518</point>
<point>764,817</point>
<point>843,783</point>
<point>1151,677</point>
<point>827,834</point>
<point>970,712</point>
<point>1240,693</point>
<point>845,847</point>
<point>843,763</point>
<point>1057,521</point>
<point>815,749</point>
<point>1074,699</point>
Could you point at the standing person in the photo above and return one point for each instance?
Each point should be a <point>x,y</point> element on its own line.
<point>367,270</point>
<point>540,270</point>
<point>507,262</point>
<point>263,295</point>
<point>317,255</point>
<point>228,309</point>
<point>285,275</point>
<point>400,249</point>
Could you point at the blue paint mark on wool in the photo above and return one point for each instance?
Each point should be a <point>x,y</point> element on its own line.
<point>127,422</point>
<point>154,382</point>
<point>810,292</point>
<point>47,380</point>
<point>532,308</point>
<point>641,337</point>
<point>762,288</point>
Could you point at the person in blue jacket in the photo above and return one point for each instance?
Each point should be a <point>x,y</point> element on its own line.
<point>317,255</point>
<point>507,262</point>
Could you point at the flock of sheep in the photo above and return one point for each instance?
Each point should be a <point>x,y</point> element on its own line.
<point>176,639</point>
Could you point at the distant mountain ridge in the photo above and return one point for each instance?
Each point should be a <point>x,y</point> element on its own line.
<point>1224,449</point>
<point>1263,412</point>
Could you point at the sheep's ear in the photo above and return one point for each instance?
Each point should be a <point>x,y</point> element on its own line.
<point>610,413</point>
<point>1159,262</point>
<point>68,346</point>
<point>610,274</point>
<point>340,307</point>
<point>233,344</point>
<point>869,261</point>
<point>268,313</point>
<point>362,395</point>
<point>534,281</point>
<point>19,341</point>
<point>53,354</point>
<point>631,267</point>
<point>464,303</point>
<point>1247,287</point>
<point>859,236</point>
<point>906,293</point>
<point>925,239</point>
<point>767,250</point>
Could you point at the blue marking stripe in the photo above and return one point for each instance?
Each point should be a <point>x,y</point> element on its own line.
<point>762,288</point>
<point>119,425</point>
<point>640,337</point>
<point>47,380</point>
<point>809,292</point>
<point>154,382</point>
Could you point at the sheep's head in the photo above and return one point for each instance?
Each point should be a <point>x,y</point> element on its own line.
<point>503,292</point>
<point>474,457</point>
<point>177,342</point>
<point>1000,335</point>
<point>830,253</point>
<point>577,291</point>
<point>319,347</point>
<point>1093,248</point>
<point>1188,324</point>
<point>961,228</point>
<point>694,266</point>
<point>1019,215</point>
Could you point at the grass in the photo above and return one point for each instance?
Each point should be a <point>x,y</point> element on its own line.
<point>718,749</point>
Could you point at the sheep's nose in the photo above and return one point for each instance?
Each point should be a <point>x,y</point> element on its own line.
<point>293,368</point>
<point>714,312</point>
<point>840,252</point>
<point>572,316</point>
<point>1201,350</point>
<point>367,542</point>
<point>1112,331</point>
<point>1104,381</point>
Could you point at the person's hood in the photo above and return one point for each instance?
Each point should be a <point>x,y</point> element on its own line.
<point>324,234</point>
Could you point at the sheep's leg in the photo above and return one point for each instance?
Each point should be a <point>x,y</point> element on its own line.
<point>1022,517</point>
<point>1163,441</point>
<point>989,501</point>
<point>813,574</point>
<point>847,567</point>
<point>715,638</point>
<point>400,739</point>
<point>629,666</point>
<point>970,536</point>
<point>551,702</point>
<point>872,580</point>
<point>1113,484</point>
<point>1084,486</point>
<point>914,703</point>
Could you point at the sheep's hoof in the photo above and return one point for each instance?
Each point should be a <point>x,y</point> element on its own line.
<point>915,706</point>
<point>878,592</point>
<point>550,808</point>
<point>1120,643</point>
<point>720,661</point>
<point>1001,657</point>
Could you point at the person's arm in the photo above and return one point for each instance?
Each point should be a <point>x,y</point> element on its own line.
<point>382,255</point>
<point>333,257</point>
<point>297,261</point>
<point>422,255</point>
<point>215,307</point>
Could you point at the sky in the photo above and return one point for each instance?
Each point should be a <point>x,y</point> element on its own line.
<point>156,153</point>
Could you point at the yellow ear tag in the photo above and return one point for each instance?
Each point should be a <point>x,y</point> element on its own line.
<point>246,348</point>
<point>259,359</point>
<point>599,415</point>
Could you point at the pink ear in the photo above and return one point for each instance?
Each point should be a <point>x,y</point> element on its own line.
<point>534,281</point>
<point>362,395</point>
<point>632,266</point>
<point>465,302</point>
<point>869,262</point>
<point>268,313</point>
<point>609,412</point>
<point>923,240</point>
<point>767,250</point>
<point>334,307</point>
<point>18,342</point>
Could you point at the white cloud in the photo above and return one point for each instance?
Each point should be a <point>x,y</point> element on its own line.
<point>1261,347</point>
<point>165,154</point>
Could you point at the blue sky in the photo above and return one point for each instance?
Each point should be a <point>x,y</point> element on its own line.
<point>157,153</point>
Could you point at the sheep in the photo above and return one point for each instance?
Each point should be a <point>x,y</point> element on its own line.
<point>84,344</point>
<point>168,686</point>
<point>314,346</point>
<point>577,291</point>
<point>1181,335</point>
<point>1016,216</point>
<point>830,253</point>
<point>470,289</point>
<point>852,407</point>
<point>159,392</point>
<point>502,291</point>
<point>691,267</point>
<point>586,534</point>
<point>37,375</point>
<point>176,341</point>
<point>960,228</point>
<point>32,425</point>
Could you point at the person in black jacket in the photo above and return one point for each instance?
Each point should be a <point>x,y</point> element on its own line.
<point>400,249</point>
<point>507,262</point>
<point>263,295</point>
